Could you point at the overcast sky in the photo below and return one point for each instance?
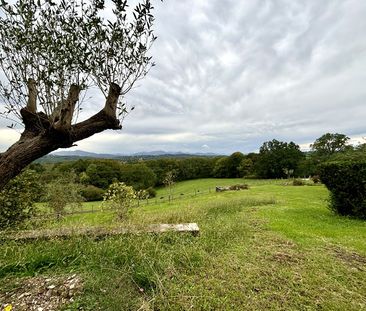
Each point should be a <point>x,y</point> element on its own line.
<point>231,75</point>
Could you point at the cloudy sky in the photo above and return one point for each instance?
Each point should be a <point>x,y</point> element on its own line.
<point>231,75</point>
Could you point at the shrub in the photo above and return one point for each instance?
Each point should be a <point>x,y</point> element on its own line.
<point>119,197</point>
<point>91,193</point>
<point>151,191</point>
<point>17,199</point>
<point>347,183</point>
<point>239,187</point>
<point>141,195</point>
<point>298,182</point>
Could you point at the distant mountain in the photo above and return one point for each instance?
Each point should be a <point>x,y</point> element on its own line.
<point>206,154</point>
<point>65,156</point>
<point>81,153</point>
<point>158,152</point>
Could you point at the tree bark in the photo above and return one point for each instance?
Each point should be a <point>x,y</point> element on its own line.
<point>40,137</point>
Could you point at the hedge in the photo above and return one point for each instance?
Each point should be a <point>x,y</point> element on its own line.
<point>346,182</point>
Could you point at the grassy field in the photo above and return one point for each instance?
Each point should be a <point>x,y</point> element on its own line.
<point>183,189</point>
<point>267,248</point>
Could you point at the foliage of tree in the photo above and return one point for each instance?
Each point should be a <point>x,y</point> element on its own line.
<point>248,165</point>
<point>119,197</point>
<point>192,168</point>
<point>349,156</point>
<point>151,192</point>
<point>233,162</point>
<point>308,166</point>
<point>138,175</point>
<point>245,167</point>
<point>62,194</point>
<point>17,199</point>
<point>97,172</point>
<point>347,185</point>
<point>220,169</point>
<point>51,54</point>
<point>91,193</point>
<point>236,165</point>
<point>162,166</point>
<point>328,144</point>
<point>37,167</point>
<point>361,145</point>
<point>170,182</point>
<point>278,159</point>
<point>102,173</point>
<point>78,166</point>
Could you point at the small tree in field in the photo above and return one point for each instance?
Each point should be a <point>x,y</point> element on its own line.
<point>51,54</point>
<point>170,184</point>
<point>63,193</point>
<point>120,197</point>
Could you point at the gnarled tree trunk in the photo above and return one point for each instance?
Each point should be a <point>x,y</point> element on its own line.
<point>44,134</point>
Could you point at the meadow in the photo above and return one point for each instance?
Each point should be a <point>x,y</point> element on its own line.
<point>271,247</point>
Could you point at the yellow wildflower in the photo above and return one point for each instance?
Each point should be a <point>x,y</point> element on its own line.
<point>8,308</point>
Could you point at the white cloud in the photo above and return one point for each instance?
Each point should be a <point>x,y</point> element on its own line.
<point>7,138</point>
<point>233,74</point>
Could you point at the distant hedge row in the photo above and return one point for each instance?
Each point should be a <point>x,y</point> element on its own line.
<point>347,183</point>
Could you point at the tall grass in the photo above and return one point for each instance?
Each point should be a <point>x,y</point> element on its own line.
<point>268,248</point>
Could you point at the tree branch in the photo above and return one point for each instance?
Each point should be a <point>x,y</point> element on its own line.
<point>40,138</point>
<point>32,99</point>
<point>112,100</point>
<point>67,109</point>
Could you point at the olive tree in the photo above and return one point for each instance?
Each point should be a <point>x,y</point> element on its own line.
<point>51,55</point>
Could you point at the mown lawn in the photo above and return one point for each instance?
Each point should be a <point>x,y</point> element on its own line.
<point>267,248</point>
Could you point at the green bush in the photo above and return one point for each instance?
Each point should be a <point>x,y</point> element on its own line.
<point>151,191</point>
<point>17,199</point>
<point>119,197</point>
<point>347,183</point>
<point>91,193</point>
<point>298,182</point>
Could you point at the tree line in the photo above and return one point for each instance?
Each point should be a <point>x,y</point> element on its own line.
<point>69,183</point>
<point>276,159</point>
